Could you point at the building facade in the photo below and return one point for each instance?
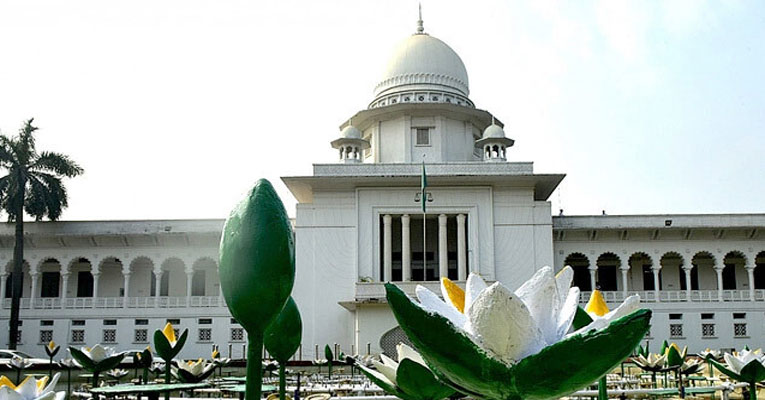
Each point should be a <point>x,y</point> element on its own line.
<point>361,222</point>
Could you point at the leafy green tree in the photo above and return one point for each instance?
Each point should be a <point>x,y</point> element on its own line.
<point>32,185</point>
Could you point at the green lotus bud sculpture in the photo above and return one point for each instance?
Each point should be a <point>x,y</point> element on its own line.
<point>257,270</point>
<point>282,339</point>
<point>330,357</point>
<point>491,343</point>
<point>409,378</point>
<point>746,366</point>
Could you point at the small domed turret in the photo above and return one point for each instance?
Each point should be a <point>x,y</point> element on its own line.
<point>494,143</point>
<point>350,144</point>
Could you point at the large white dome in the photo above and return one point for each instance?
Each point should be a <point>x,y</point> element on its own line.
<point>424,64</point>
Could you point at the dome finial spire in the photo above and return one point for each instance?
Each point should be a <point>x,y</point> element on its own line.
<point>420,28</point>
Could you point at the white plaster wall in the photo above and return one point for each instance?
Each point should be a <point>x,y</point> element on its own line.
<point>393,138</point>
<point>325,268</point>
<point>373,321</point>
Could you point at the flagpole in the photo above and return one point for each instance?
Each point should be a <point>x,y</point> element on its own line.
<point>424,253</point>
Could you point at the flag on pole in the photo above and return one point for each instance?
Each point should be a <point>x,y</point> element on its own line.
<point>423,186</point>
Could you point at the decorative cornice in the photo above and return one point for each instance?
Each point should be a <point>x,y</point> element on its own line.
<point>423,78</point>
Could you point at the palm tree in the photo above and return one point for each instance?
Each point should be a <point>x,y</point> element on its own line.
<point>33,184</point>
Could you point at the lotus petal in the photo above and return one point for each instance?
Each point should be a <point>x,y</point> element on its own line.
<point>432,303</point>
<point>474,286</point>
<point>405,352</point>
<point>502,324</point>
<point>388,371</point>
<point>380,380</point>
<point>540,294</point>
<point>567,312</point>
<point>563,280</point>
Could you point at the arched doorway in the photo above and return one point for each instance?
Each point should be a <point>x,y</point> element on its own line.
<point>704,262</point>
<point>581,266</point>
<point>608,264</point>
<point>734,274</point>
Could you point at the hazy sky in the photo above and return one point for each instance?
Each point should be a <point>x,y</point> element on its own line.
<point>174,108</point>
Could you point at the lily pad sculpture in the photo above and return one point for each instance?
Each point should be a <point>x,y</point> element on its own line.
<point>409,378</point>
<point>257,270</point>
<point>496,344</point>
<point>282,339</point>
<point>746,366</point>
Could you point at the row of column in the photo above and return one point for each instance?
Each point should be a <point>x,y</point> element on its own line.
<point>406,248</point>
<point>687,273</point>
<point>34,276</point>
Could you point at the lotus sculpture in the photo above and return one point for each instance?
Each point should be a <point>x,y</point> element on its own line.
<point>409,378</point>
<point>194,371</point>
<point>96,359</point>
<point>19,364</point>
<point>708,354</point>
<point>31,389</point>
<point>51,349</point>
<point>257,270</point>
<point>168,346</point>
<point>492,343</point>
<point>746,366</point>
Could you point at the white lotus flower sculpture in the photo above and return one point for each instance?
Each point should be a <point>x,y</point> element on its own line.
<point>31,389</point>
<point>745,366</point>
<point>194,371</point>
<point>489,342</point>
<point>409,378</point>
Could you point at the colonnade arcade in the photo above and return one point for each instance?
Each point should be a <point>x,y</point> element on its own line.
<point>111,277</point>
<point>718,274</point>
<point>401,247</point>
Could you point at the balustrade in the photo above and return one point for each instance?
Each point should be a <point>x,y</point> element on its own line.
<point>116,302</point>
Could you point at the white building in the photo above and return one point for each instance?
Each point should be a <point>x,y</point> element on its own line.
<point>359,222</point>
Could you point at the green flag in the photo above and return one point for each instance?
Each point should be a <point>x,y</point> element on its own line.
<point>423,186</point>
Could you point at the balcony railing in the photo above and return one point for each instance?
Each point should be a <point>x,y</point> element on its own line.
<point>674,296</point>
<point>116,302</point>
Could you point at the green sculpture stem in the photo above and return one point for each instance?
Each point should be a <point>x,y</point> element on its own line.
<point>282,381</point>
<point>145,375</point>
<point>95,382</point>
<point>711,372</point>
<point>603,388</point>
<point>653,379</point>
<point>50,368</point>
<point>168,368</point>
<point>68,382</point>
<point>753,390</point>
<point>18,375</point>
<point>254,366</point>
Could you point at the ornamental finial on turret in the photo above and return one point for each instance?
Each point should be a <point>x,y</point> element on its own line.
<point>420,28</point>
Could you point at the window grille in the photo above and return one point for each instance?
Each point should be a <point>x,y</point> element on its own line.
<point>676,330</point>
<point>205,334</point>
<point>237,334</point>
<point>110,336</point>
<point>739,330</point>
<point>707,330</point>
<point>46,336</point>
<point>141,336</point>
<point>78,336</point>
<point>422,136</point>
